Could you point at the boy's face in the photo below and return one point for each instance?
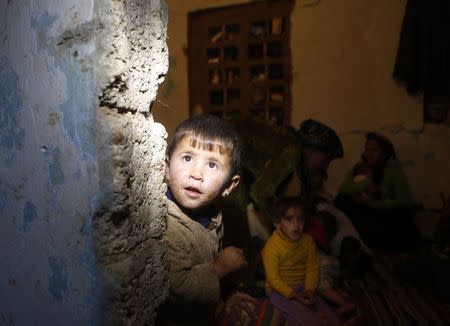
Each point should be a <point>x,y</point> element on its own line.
<point>291,225</point>
<point>197,176</point>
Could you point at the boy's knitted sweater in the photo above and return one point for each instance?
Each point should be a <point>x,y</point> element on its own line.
<point>192,250</point>
<point>288,263</point>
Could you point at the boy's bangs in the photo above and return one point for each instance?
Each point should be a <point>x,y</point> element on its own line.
<point>211,145</point>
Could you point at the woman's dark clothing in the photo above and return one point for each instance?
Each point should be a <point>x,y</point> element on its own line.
<point>381,228</point>
<point>389,223</point>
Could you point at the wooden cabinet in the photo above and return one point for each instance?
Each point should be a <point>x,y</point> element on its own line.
<point>240,61</point>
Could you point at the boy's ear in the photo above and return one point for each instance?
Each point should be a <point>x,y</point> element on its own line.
<point>231,185</point>
<point>166,168</point>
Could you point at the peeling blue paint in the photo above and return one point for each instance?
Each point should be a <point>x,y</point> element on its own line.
<point>87,258</point>
<point>46,20</point>
<point>29,215</point>
<point>3,200</point>
<point>55,173</point>
<point>77,173</point>
<point>77,110</point>
<point>42,24</point>
<point>3,196</point>
<point>78,115</point>
<point>11,135</point>
<point>57,282</point>
<point>54,200</point>
<point>55,262</point>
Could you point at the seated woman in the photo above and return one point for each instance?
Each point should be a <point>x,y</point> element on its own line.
<point>377,198</point>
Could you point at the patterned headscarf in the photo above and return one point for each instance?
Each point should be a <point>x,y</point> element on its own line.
<point>316,135</point>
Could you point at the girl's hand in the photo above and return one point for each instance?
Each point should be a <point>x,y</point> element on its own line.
<point>308,298</point>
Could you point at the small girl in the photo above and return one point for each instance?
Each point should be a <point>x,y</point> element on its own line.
<point>292,268</point>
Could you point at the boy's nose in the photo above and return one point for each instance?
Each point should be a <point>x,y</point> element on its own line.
<point>196,173</point>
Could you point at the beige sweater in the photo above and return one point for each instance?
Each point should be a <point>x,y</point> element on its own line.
<point>192,250</point>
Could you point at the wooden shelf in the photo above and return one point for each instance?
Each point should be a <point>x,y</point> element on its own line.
<point>239,60</point>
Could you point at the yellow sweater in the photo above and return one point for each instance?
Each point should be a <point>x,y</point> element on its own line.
<point>288,263</point>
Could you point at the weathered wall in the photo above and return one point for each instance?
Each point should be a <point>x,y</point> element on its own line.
<point>343,53</point>
<point>81,192</point>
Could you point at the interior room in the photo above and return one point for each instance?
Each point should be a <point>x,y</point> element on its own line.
<point>92,93</point>
<point>341,66</point>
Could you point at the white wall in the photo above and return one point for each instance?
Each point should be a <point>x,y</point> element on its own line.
<point>343,58</point>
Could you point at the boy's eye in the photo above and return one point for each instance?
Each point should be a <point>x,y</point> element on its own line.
<point>212,165</point>
<point>187,158</point>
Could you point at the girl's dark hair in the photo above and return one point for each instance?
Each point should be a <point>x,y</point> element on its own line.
<point>282,205</point>
<point>211,133</point>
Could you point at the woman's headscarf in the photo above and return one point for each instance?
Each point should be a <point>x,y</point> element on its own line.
<point>385,144</point>
<point>316,135</point>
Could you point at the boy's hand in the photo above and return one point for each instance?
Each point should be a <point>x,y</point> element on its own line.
<point>229,260</point>
<point>307,298</point>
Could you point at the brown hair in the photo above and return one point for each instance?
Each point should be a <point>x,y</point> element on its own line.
<point>210,133</point>
<point>283,204</point>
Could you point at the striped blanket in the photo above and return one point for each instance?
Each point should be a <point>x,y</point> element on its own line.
<point>381,298</point>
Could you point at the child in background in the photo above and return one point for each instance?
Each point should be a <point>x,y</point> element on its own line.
<point>292,268</point>
<point>322,226</point>
<point>362,172</point>
<point>328,264</point>
<point>203,159</point>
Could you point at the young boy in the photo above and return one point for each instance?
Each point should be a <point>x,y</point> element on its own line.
<point>202,163</point>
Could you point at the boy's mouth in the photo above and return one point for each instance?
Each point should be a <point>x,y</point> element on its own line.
<point>192,192</point>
